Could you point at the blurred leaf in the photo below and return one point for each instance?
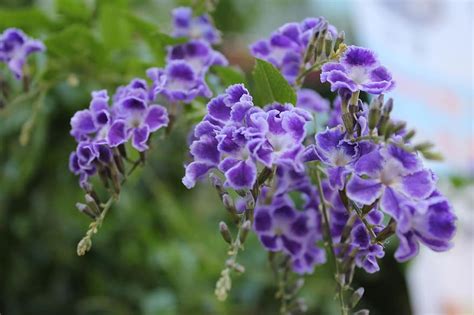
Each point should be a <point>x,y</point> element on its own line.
<point>229,75</point>
<point>28,19</point>
<point>270,86</point>
<point>74,49</point>
<point>114,26</point>
<point>157,41</point>
<point>73,10</point>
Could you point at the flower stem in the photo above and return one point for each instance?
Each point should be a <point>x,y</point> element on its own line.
<point>327,235</point>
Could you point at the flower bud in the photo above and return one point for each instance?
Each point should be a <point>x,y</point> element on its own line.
<point>320,41</point>
<point>228,203</point>
<point>224,229</point>
<point>328,48</point>
<point>399,126</point>
<point>339,40</point>
<point>92,204</point>
<point>244,231</point>
<point>348,120</point>
<point>86,210</point>
<point>217,183</point>
<point>356,296</point>
<point>388,107</point>
<point>423,146</point>
<point>409,135</point>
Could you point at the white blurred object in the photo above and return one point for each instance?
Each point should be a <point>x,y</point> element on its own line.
<point>442,283</point>
<point>428,46</point>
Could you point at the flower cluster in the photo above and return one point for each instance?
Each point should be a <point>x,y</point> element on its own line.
<point>352,184</point>
<point>200,27</point>
<point>15,47</point>
<point>183,78</point>
<point>238,138</point>
<point>133,116</point>
<point>293,227</point>
<point>286,47</point>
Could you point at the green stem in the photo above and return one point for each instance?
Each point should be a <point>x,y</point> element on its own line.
<point>328,238</point>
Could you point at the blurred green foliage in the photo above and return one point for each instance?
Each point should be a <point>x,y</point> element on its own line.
<point>159,251</point>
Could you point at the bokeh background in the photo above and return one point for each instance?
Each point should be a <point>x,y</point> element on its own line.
<point>159,251</point>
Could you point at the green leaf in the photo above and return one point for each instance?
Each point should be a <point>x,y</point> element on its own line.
<point>229,75</point>
<point>270,86</point>
<point>156,40</point>
<point>114,26</point>
<point>73,10</point>
<point>28,19</point>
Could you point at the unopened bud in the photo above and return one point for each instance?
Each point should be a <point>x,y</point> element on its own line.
<point>424,146</point>
<point>328,41</point>
<point>122,150</point>
<point>92,204</point>
<point>339,40</point>
<point>388,107</point>
<point>85,209</point>
<point>399,126</point>
<point>224,229</point>
<point>217,183</point>
<point>348,120</point>
<point>356,296</point>
<point>409,135</point>
<point>374,117</point>
<point>239,268</point>
<point>320,41</point>
<point>244,231</point>
<point>228,202</point>
<point>388,130</point>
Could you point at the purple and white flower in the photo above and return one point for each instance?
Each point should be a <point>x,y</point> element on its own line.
<point>286,47</point>
<point>198,54</point>
<point>15,47</point>
<point>200,27</point>
<point>235,136</point>
<point>431,222</point>
<point>358,70</point>
<point>178,82</point>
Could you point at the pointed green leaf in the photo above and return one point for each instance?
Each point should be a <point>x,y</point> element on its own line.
<point>270,86</point>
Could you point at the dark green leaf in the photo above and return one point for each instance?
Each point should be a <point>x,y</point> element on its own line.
<point>270,86</point>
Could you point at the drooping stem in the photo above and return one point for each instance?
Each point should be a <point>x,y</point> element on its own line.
<point>328,240</point>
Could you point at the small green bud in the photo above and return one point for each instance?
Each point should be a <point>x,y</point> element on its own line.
<point>399,126</point>
<point>348,120</point>
<point>339,40</point>
<point>328,42</point>
<point>388,107</point>
<point>356,296</point>
<point>86,210</point>
<point>424,146</point>
<point>92,204</point>
<point>224,230</point>
<point>410,134</point>
<point>244,231</point>
<point>374,116</point>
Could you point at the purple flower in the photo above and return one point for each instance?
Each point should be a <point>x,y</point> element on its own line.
<point>85,159</point>
<point>201,27</point>
<point>431,222</point>
<point>311,256</point>
<point>15,47</point>
<point>286,47</point>
<point>134,117</point>
<point>280,227</point>
<point>235,136</point>
<point>178,82</point>
<point>392,175</point>
<point>311,101</point>
<point>93,123</point>
<point>337,154</point>
<point>358,69</point>
<point>198,54</point>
